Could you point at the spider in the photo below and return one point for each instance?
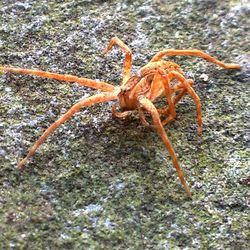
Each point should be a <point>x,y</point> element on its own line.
<point>137,92</point>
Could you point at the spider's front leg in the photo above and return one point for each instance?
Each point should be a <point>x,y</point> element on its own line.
<point>149,106</point>
<point>61,77</point>
<point>193,52</point>
<point>103,97</point>
<point>127,66</point>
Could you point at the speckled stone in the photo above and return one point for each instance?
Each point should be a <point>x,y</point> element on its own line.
<point>103,183</point>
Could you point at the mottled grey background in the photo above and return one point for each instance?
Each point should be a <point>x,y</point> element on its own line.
<point>103,183</point>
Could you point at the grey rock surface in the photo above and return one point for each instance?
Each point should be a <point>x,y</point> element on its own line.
<point>103,183</point>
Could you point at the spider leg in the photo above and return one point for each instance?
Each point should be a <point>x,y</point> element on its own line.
<point>193,52</point>
<point>119,114</point>
<point>171,104</point>
<point>149,106</point>
<point>175,101</point>
<point>157,88</point>
<point>61,77</point>
<point>143,118</point>
<point>103,97</point>
<point>164,111</point>
<point>183,91</point>
<point>127,66</point>
<point>159,85</point>
<point>193,94</point>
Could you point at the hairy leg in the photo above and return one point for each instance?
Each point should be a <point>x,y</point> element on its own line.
<point>143,118</point>
<point>148,105</point>
<point>171,105</point>
<point>74,109</point>
<point>157,88</point>
<point>177,98</point>
<point>119,114</point>
<point>193,52</point>
<point>190,90</point>
<point>161,84</point>
<point>127,66</point>
<point>61,77</point>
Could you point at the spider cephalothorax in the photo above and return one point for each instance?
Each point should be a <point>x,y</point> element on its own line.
<point>139,92</point>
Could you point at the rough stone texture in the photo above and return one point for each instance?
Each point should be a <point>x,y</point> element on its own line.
<point>102,183</point>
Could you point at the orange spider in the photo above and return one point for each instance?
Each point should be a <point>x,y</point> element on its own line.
<point>137,92</point>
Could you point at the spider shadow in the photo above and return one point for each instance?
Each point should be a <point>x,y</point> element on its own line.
<point>118,150</point>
